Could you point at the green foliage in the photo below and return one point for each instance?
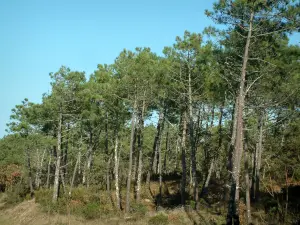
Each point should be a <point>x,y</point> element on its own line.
<point>159,219</point>
<point>138,209</point>
<point>91,210</point>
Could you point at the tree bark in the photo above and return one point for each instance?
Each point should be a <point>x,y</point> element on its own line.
<point>153,163</point>
<point>58,160</point>
<point>127,207</point>
<point>86,172</point>
<point>212,164</point>
<point>118,200</point>
<point>233,212</point>
<point>76,166</point>
<point>257,160</point>
<point>49,169</point>
<point>39,171</point>
<point>247,181</point>
<point>194,179</point>
<point>183,158</point>
<point>140,154</point>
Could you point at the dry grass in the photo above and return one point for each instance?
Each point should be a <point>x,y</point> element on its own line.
<point>29,213</point>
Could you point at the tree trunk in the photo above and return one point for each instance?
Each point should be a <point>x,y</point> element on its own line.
<point>247,181</point>
<point>77,165</point>
<point>86,172</point>
<point>140,154</point>
<point>257,160</point>
<point>153,163</point>
<point>58,160</point>
<point>183,158</point>
<point>212,164</point>
<point>118,200</point>
<point>39,171</point>
<point>127,207</point>
<point>233,212</point>
<point>194,179</point>
<point>49,169</point>
<point>167,150</point>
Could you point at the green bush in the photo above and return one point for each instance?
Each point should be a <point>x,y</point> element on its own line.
<point>138,209</point>
<point>160,219</point>
<point>91,211</point>
<point>43,196</point>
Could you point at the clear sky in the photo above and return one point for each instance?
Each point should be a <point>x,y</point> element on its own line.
<point>38,36</point>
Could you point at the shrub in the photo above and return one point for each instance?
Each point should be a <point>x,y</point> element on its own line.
<point>160,219</point>
<point>139,209</point>
<point>91,211</point>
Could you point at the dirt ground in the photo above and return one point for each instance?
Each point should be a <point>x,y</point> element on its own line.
<point>29,213</point>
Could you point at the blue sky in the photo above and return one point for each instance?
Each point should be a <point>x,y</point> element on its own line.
<point>38,36</point>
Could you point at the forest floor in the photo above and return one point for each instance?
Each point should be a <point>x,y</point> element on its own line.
<point>29,213</point>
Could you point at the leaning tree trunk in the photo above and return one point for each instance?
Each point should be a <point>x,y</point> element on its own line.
<point>127,206</point>
<point>58,160</point>
<point>233,212</point>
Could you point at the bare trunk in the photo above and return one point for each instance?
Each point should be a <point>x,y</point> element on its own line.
<point>212,164</point>
<point>257,160</point>
<point>77,164</point>
<point>153,163</point>
<point>140,154</point>
<point>39,171</point>
<point>118,200</point>
<point>183,158</point>
<point>233,212</point>
<point>194,179</point>
<point>49,169</point>
<point>58,160</point>
<point>247,181</point>
<point>167,150</point>
<point>86,172</point>
<point>127,207</point>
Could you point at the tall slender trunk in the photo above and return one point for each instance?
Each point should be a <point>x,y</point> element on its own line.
<point>257,159</point>
<point>194,179</point>
<point>39,171</point>
<point>77,164</point>
<point>89,158</point>
<point>58,160</point>
<point>65,155</point>
<point>167,149</point>
<point>212,164</point>
<point>127,207</point>
<point>140,154</point>
<point>153,163</point>
<point>118,200</point>
<point>183,158</point>
<point>49,169</point>
<point>247,181</point>
<point>233,212</point>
